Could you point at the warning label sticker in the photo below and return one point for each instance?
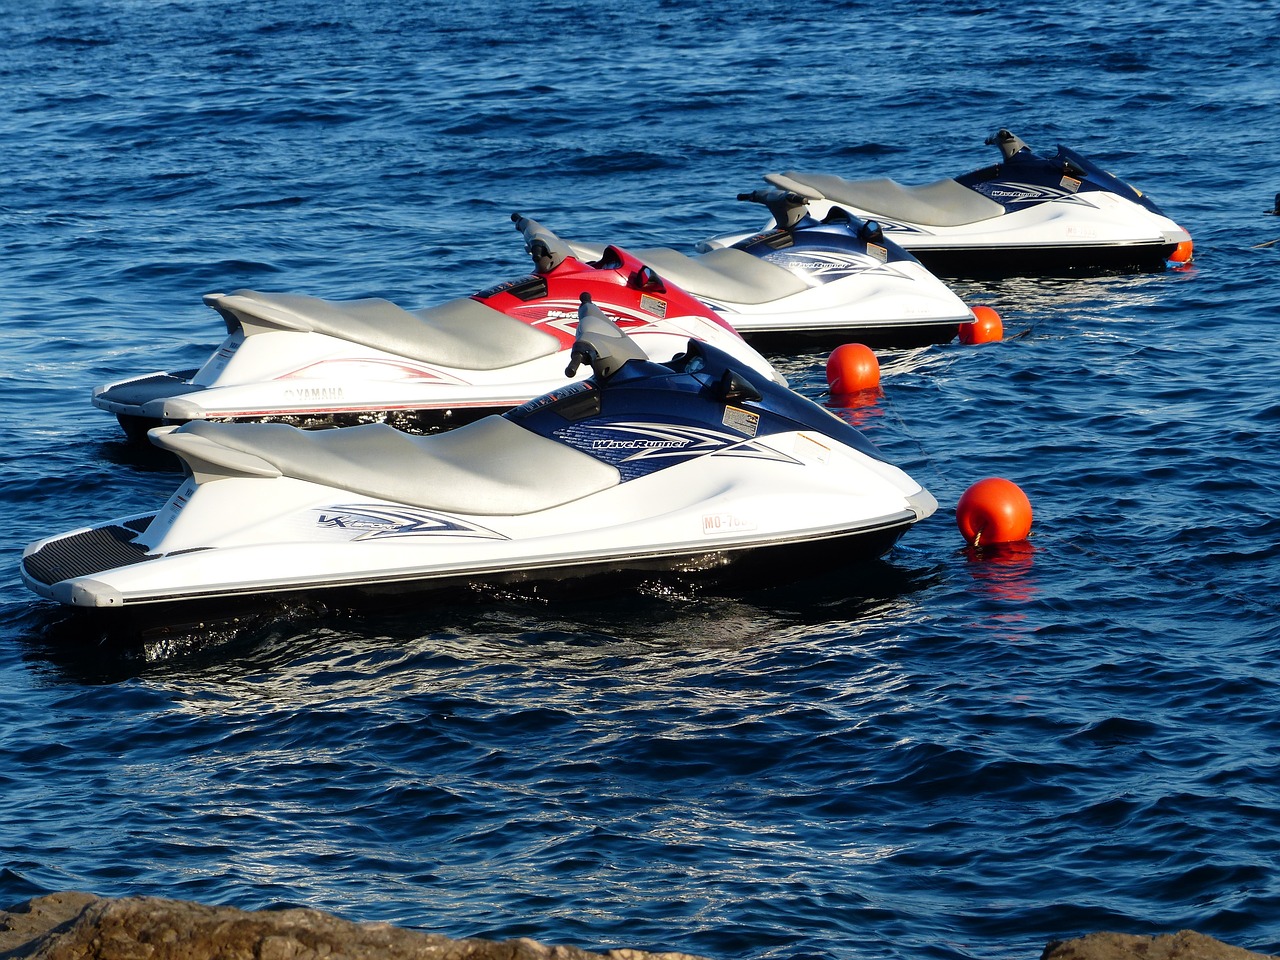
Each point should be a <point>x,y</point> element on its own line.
<point>744,421</point>
<point>653,305</point>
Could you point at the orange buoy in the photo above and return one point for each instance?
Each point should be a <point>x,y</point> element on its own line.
<point>852,368</point>
<point>994,510</point>
<point>985,327</point>
<point>1182,253</point>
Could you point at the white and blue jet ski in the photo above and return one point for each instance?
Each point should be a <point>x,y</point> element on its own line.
<point>698,465</point>
<point>808,281</point>
<point>1028,215</point>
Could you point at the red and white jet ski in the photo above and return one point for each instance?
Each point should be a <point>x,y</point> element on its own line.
<point>302,360</point>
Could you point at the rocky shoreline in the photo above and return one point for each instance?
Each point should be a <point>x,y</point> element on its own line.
<point>81,926</point>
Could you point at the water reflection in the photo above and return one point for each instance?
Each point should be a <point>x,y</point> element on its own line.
<point>859,410</point>
<point>140,457</point>
<point>574,628</point>
<point>1003,571</point>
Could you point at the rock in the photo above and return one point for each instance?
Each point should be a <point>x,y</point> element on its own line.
<point>1185,945</point>
<point>79,926</point>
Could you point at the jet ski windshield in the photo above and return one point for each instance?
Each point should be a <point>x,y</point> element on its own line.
<point>1086,168</point>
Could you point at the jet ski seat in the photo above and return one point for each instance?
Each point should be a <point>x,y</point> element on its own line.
<point>490,467</point>
<point>943,203</point>
<point>460,333</point>
<point>727,275</point>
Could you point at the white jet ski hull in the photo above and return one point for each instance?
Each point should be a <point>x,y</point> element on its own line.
<point>303,537</point>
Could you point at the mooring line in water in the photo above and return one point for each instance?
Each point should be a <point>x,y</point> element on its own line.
<point>929,458</point>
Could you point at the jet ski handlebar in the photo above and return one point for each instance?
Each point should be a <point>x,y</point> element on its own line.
<point>547,250</point>
<point>600,343</point>
<point>1010,144</point>
<point>787,207</point>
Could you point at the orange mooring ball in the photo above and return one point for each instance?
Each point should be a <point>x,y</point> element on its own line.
<point>994,510</point>
<point>852,368</point>
<point>985,327</point>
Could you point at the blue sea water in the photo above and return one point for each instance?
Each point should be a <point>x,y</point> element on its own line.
<point>936,756</point>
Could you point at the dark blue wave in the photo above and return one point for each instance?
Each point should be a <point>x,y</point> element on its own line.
<point>950,754</point>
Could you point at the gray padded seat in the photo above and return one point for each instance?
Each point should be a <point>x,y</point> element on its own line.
<point>490,467</point>
<point>944,203</point>
<point>460,333</point>
<point>728,275</point>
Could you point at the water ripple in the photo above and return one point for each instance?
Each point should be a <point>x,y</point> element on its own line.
<point>949,754</point>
